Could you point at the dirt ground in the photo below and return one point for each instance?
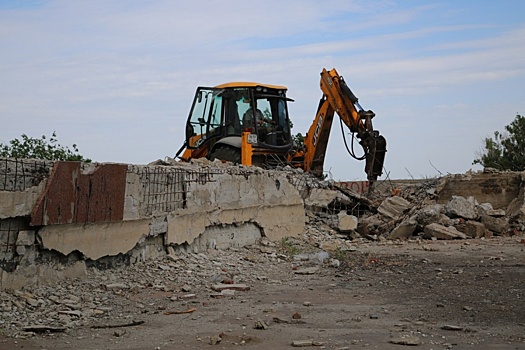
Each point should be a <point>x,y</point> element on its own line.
<point>464,294</point>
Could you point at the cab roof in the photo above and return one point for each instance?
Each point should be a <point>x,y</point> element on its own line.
<point>250,84</point>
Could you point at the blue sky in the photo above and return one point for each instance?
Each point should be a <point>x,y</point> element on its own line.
<point>117,77</point>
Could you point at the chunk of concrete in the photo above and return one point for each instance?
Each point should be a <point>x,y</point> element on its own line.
<point>95,240</point>
<point>220,287</point>
<point>428,215</point>
<point>474,229</point>
<point>516,208</point>
<point>393,207</point>
<point>371,225</point>
<point>25,238</point>
<point>497,225</point>
<point>320,197</point>
<point>404,230</point>
<point>442,232</point>
<point>19,203</point>
<point>462,207</point>
<point>347,223</point>
<point>497,213</point>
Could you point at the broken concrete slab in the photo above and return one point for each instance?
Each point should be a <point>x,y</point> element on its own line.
<point>393,207</point>
<point>516,208</point>
<point>375,225</point>
<point>474,229</point>
<point>404,230</point>
<point>497,213</point>
<point>428,214</point>
<point>17,204</point>
<point>462,207</point>
<point>220,287</point>
<point>498,226</point>
<point>346,223</point>
<point>409,340</point>
<point>442,232</point>
<point>320,197</point>
<point>25,238</point>
<point>94,241</point>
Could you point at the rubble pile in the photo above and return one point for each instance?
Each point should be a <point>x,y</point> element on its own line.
<point>120,297</point>
<point>415,213</point>
<point>124,296</point>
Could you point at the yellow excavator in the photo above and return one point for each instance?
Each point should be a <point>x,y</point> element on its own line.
<point>248,123</point>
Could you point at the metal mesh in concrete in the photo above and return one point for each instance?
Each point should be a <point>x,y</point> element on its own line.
<point>21,174</point>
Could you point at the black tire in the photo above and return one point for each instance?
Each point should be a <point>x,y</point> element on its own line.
<point>226,153</point>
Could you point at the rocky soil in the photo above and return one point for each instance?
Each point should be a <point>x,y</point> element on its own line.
<point>319,290</point>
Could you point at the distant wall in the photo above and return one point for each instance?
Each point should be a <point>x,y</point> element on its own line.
<point>496,188</point>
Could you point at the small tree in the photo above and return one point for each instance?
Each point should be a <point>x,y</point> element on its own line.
<point>506,151</point>
<point>43,148</point>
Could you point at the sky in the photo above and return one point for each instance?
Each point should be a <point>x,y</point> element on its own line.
<point>117,78</point>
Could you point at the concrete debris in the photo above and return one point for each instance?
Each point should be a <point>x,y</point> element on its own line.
<point>43,329</point>
<point>117,286</point>
<point>307,271</point>
<point>428,214</point>
<point>221,287</point>
<point>498,226</point>
<point>473,229</point>
<point>260,325</point>
<point>404,230</point>
<point>497,213</point>
<point>214,340</point>
<point>99,296</point>
<point>422,211</point>
<point>302,343</point>
<point>462,207</point>
<point>317,258</point>
<point>441,232</point>
<point>393,207</point>
<point>347,223</point>
<point>406,340</point>
<point>449,327</point>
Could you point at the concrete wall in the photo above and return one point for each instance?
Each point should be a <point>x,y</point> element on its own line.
<point>497,188</point>
<point>85,213</point>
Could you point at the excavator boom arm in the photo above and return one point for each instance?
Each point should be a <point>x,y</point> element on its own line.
<point>338,98</point>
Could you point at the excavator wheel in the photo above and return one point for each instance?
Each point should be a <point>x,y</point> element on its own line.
<point>226,153</point>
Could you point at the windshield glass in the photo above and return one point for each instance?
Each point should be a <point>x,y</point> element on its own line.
<point>205,116</point>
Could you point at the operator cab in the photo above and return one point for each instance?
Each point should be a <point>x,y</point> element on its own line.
<point>220,114</point>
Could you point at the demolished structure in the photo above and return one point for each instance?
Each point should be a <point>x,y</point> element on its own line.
<point>78,215</point>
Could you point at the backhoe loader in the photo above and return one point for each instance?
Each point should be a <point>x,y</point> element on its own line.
<point>248,123</point>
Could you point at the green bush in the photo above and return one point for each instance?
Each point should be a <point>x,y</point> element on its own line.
<point>506,151</point>
<point>43,148</point>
